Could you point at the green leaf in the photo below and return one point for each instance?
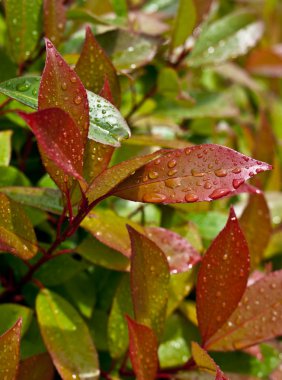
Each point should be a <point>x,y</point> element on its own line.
<point>117,326</point>
<point>107,126</point>
<point>7,67</point>
<point>10,351</point>
<point>98,328</point>
<point>36,367</point>
<point>16,231</point>
<point>149,281</point>
<point>10,176</point>
<point>5,147</point>
<point>24,26</point>
<point>184,22</point>
<point>10,314</point>
<point>168,82</point>
<point>228,37</point>
<point>67,337</point>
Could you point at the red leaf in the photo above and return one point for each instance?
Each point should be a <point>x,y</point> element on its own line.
<point>36,367</point>
<point>222,278</point>
<point>54,20</point>
<point>256,225</point>
<point>142,350</point>
<point>61,87</point>
<point>149,281</point>
<point>200,173</point>
<point>266,61</point>
<point>181,255</point>
<point>96,159</point>
<point>257,318</point>
<point>206,363</point>
<point>10,351</point>
<point>106,91</point>
<point>94,66</point>
<point>59,139</point>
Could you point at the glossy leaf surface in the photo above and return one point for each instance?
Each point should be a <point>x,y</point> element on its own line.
<point>199,173</point>
<point>23,89</point>
<point>142,350</point>
<point>54,20</point>
<point>205,362</point>
<point>184,22</point>
<point>66,336</point>
<point>229,37</point>
<point>10,352</point>
<point>257,317</point>
<point>23,30</point>
<point>222,278</point>
<point>94,67</point>
<point>149,281</point>
<point>5,147</point>
<point>16,231</point>
<point>256,225</point>
<point>36,367</point>
<point>180,254</point>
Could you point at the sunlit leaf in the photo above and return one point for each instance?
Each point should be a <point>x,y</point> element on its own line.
<point>256,319</point>
<point>10,351</point>
<point>184,22</point>
<point>23,89</point>
<point>180,254</point>
<point>222,278</point>
<point>36,367</point>
<point>117,326</point>
<point>54,20</point>
<point>10,314</point>
<point>228,37</point>
<point>94,67</point>
<point>16,231</point>
<point>142,350</point>
<point>266,62</point>
<point>256,225</point>
<point>149,281</point>
<point>67,337</point>
<point>5,147</point>
<point>199,173</point>
<point>23,30</point>
<point>205,362</point>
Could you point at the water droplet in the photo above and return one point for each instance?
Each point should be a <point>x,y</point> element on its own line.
<point>218,193</point>
<point>236,170</point>
<point>173,182</point>
<point>220,172</point>
<point>237,182</point>
<point>172,172</point>
<point>153,174</point>
<point>195,173</point>
<point>190,197</point>
<point>64,86</point>
<point>24,86</point>
<point>49,45</point>
<point>77,99</point>
<point>225,257</point>
<point>73,79</point>
<point>154,197</point>
<point>172,163</point>
<point>207,185</point>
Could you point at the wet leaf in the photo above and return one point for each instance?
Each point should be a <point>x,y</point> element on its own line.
<point>117,326</point>
<point>10,351</point>
<point>205,362</point>
<point>199,173</point>
<point>266,62</point>
<point>45,199</point>
<point>149,281</point>
<point>94,67</point>
<point>106,92</point>
<point>16,231</point>
<point>11,313</point>
<point>23,89</point>
<point>5,147</point>
<point>128,50</point>
<point>36,367</point>
<point>54,20</point>
<point>228,37</point>
<point>180,254</point>
<point>142,350</point>
<point>222,278</point>
<point>59,140</point>
<point>183,25</point>
<point>23,30</point>
<point>66,337</point>
<point>256,319</point>
<point>256,225</point>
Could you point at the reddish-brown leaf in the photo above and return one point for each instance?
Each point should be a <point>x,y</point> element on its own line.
<point>257,318</point>
<point>149,281</point>
<point>54,14</point>
<point>36,367</point>
<point>142,350</point>
<point>181,255</point>
<point>256,225</point>
<point>222,278</point>
<point>59,140</point>
<point>206,363</point>
<point>10,352</point>
<point>96,159</point>
<point>61,87</point>
<point>94,66</point>
<point>266,61</point>
<point>106,91</point>
<point>200,173</point>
